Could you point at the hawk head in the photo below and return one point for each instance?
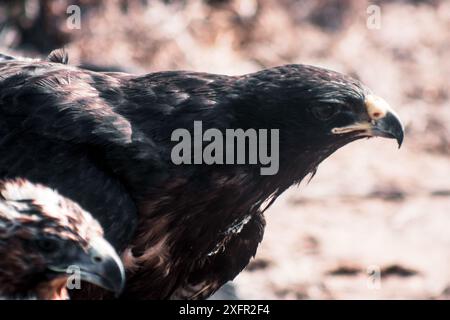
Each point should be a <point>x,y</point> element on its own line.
<point>48,242</point>
<point>317,111</point>
<point>320,104</point>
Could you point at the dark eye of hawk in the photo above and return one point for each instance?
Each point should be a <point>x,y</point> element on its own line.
<point>48,245</point>
<point>324,112</point>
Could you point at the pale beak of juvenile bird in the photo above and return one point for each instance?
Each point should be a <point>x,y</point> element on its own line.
<point>382,122</point>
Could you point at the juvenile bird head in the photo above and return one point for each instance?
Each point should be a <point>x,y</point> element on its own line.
<point>323,104</point>
<point>46,240</point>
<point>317,111</point>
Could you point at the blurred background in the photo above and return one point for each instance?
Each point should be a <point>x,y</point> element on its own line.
<point>374,222</point>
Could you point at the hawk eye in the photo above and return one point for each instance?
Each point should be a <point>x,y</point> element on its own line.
<point>48,245</point>
<point>324,112</point>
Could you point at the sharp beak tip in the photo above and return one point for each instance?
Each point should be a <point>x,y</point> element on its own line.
<point>398,131</point>
<point>120,283</point>
<point>113,276</point>
<point>400,141</point>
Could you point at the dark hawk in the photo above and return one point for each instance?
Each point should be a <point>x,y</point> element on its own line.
<point>42,236</point>
<point>103,139</point>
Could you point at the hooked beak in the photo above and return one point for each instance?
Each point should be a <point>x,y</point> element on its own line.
<point>100,265</point>
<point>389,127</point>
<point>383,121</point>
<point>105,268</point>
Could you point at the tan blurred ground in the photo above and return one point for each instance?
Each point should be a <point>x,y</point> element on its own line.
<point>370,205</point>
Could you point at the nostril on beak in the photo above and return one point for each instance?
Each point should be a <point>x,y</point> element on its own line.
<point>376,115</point>
<point>97,259</point>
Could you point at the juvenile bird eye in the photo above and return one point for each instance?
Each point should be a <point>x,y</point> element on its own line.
<point>48,245</point>
<point>324,112</point>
